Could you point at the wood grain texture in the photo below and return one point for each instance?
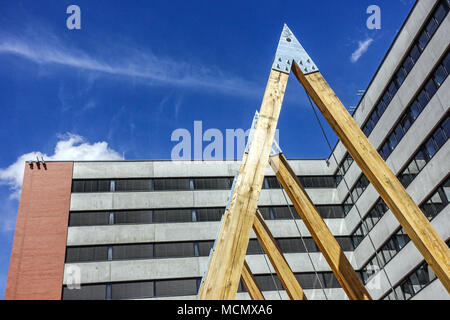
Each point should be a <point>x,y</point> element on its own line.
<point>231,246</point>
<point>277,259</point>
<point>250,284</point>
<point>319,231</point>
<point>411,218</point>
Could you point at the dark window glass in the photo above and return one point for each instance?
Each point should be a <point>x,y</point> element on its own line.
<point>88,218</point>
<point>440,75</point>
<point>310,280</point>
<point>318,181</point>
<point>440,13</point>
<point>400,76</point>
<point>423,40</point>
<point>446,63</point>
<point>181,287</point>
<point>91,185</point>
<point>446,127</point>
<point>380,108</point>
<point>393,89</point>
<point>431,27</point>
<point>174,250</point>
<point>393,141</point>
<point>408,64</point>
<point>204,248</point>
<point>209,214</point>
<point>272,183</point>
<point>132,290</point>
<point>414,53</point>
<point>133,251</point>
<point>254,247</point>
<point>330,211</point>
<point>431,148</point>
<point>212,183</point>
<point>281,213</point>
<point>77,186</point>
<point>386,98</point>
<point>84,254</point>
<point>415,109</point>
<point>439,138</point>
<point>268,282</point>
<point>420,160</point>
<point>86,292</point>
<point>406,122</point>
<point>172,215</point>
<point>431,88</point>
<point>122,185</point>
<point>422,99</point>
<point>172,184</point>
<point>133,217</point>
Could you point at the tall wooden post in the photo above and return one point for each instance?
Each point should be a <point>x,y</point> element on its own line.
<point>277,259</point>
<point>411,218</point>
<point>221,283</point>
<point>250,284</point>
<point>319,231</point>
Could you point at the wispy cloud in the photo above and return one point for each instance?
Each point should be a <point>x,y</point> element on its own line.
<point>362,48</point>
<point>69,147</point>
<point>47,49</point>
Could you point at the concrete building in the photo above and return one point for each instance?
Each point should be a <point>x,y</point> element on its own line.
<point>144,229</point>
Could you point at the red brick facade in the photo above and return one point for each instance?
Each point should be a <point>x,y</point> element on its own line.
<point>37,258</point>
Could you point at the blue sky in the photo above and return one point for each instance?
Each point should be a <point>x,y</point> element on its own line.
<point>138,70</point>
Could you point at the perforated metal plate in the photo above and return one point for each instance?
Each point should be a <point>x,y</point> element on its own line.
<point>289,50</point>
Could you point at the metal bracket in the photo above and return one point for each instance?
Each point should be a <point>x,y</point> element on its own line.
<point>252,131</point>
<point>289,50</point>
<point>275,149</point>
<point>231,192</point>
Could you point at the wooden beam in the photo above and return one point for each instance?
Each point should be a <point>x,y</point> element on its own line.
<point>250,283</point>
<point>419,229</point>
<point>319,231</point>
<point>231,246</point>
<point>277,259</point>
<point>223,231</point>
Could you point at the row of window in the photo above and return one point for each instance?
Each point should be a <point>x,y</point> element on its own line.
<point>407,64</point>
<point>183,249</point>
<point>430,207</point>
<point>412,284</point>
<point>306,181</point>
<point>405,67</point>
<point>356,191</point>
<point>383,255</point>
<point>185,287</point>
<point>411,113</point>
<point>91,218</point>
<point>175,184</point>
<point>426,151</point>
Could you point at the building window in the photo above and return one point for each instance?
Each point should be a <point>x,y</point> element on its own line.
<point>407,64</point>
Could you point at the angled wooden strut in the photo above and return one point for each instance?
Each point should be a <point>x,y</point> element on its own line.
<point>224,272</point>
<point>319,231</point>
<point>419,229</point>
<point>277,259</point>
<point>250,284</point>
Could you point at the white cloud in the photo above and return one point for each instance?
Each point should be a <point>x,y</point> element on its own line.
<point>362,48</point>
<point>69,147</point>
<point>45,48</point>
